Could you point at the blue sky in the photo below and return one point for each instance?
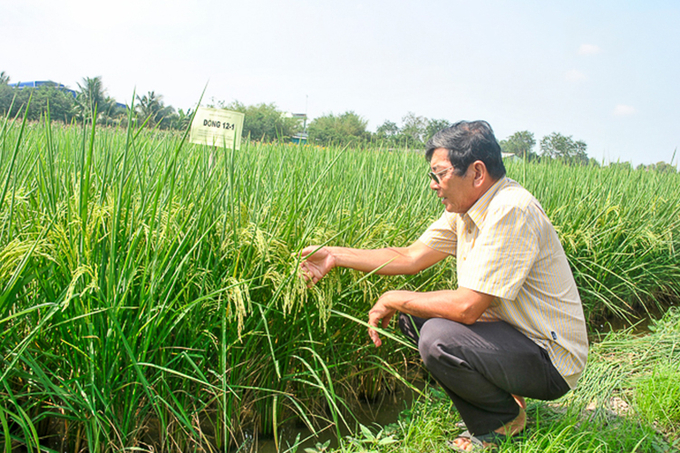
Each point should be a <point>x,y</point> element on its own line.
<point>605,72</point>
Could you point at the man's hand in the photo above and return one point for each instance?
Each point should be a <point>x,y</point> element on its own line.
<point>380,316</point>
<point>461,305</point>
<point>316,264</point>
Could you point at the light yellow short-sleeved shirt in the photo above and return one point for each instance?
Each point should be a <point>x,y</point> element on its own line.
<point>506,246</point>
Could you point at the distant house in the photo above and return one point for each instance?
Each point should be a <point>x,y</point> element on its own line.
<point>41,83</point>
<point>511,156</point>
<point>300,137</point>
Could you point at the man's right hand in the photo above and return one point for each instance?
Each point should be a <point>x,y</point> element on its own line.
<point>316,263</point>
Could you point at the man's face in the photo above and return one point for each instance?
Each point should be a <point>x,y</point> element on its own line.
<point>456,192</point>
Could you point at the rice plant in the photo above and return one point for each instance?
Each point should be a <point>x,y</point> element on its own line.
<point>149,292</point>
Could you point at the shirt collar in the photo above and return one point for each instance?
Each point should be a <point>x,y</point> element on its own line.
<point>477,213</point>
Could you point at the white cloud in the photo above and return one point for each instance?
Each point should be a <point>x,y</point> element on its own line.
<point>623,110</point>
<point>589,49</point>
<point>574,76</point>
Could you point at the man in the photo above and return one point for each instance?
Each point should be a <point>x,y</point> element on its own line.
<point>514,327</point>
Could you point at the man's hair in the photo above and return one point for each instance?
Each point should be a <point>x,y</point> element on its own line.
<point>468,141</point>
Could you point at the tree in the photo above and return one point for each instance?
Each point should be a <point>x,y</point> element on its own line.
<point>342,129</point>
<point>414,128</point>
<point>662,167</point>
<point>414,132</point>
<point>151,107</point>
<point>91,96</point>
<point>520,144</point>
<point>7,94</point>
<point>114,113</point>
<point>621,166</point>
<point>4,78</point>
<point>61,104</point>
<point>434,126</point>
<point>265,122</point>
<point>181,119</point>
<point>387,130</point>
<point>564,149</point>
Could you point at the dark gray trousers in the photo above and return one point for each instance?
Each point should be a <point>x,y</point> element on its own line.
<point>480,366</point>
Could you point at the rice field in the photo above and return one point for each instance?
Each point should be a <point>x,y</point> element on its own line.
<point>149,295</point>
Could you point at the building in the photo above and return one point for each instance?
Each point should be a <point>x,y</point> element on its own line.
<point>48,83</point>
<point>300,137</point>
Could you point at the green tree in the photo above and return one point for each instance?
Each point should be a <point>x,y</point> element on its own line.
<point>60,103</point>
<point>387,130</point>
<point>434,126</point>
<point>341,129</point>
<point>662,167</point>
<point>91,95</point>
<point>520,144</point>
<point>414,128</point>
<point>152,108</point>
<point>565,149</point>
<point>181,119</point>
<point>414,132</point>
<point>4,78</point>
<point>265,122</point>
<point>7,94</point>
<point>621,166</point>
<point>114,113</point>
<point>390,134</point>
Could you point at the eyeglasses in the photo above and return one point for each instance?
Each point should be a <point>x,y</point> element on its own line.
<point>435,176</point>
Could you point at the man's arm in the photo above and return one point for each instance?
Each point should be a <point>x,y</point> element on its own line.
<point>462,305</point>
<point>390,261</point>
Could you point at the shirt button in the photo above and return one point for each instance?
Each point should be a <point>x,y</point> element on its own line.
<point>469,231</point>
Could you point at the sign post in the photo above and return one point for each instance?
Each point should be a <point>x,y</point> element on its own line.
<point>217,127</point>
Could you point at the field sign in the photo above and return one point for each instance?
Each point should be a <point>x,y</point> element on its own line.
<point>217,127</point>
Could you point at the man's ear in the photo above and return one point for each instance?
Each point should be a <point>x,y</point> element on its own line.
<point>481,174</point>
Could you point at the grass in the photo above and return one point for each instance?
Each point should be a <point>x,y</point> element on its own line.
<point>657,396</point>
<point>626,402</point>
<point>149,295</point>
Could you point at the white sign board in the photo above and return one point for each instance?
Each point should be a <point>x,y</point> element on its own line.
<point>217,127</point>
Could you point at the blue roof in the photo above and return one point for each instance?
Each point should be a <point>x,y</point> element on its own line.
<point>39,83</point>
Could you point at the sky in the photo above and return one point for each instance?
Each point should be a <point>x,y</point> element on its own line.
<point>604,72</point>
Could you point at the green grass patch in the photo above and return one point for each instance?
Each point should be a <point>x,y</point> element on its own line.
<point>657,397</point>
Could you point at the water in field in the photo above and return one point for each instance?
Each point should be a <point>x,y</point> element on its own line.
<point>637,324</point>
<point>376,414</point>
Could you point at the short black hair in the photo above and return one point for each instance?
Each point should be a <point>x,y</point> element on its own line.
<point>468,141</point>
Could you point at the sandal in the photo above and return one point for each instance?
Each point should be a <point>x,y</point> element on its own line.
<point>477,443</point>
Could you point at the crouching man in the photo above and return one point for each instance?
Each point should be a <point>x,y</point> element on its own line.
<point>514,327</point>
